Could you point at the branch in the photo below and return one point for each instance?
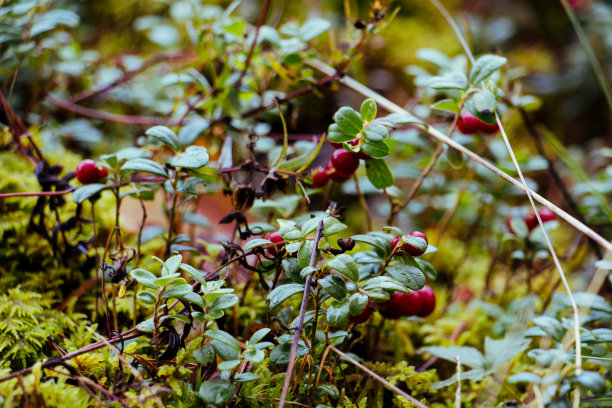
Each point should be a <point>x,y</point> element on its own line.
<point>300,326</point>
<point>38,193</point>
<point>108,116</point>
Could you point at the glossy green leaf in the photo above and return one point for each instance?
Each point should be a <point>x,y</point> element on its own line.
<point>346,265</point>
<point>348,120</point>
<point>282,293</point>
<point>484,66</point>
<point>378,150</point>
<point>338,312</point>
<point>145,166</point>
<point>194,157</point>
<point>165,135</point>
<point>379,173</point>
<point>409,275</point>
<point>83,193</point>
<point>145,278</point>
<point>216,392</point>
<point>357,303</point>
<point>368,110</point>
<point>334,285</point>
<point>223,337</point>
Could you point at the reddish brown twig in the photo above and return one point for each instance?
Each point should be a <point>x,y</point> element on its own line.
<point>37,194</point>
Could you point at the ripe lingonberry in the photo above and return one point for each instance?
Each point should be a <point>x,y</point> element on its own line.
<point>87,172</point>
<point>546,215</point>
<point>275,238</point>
<point>364,316</point>
<point>103,172</point>
<point>400,304</point>
<point>360,154</point>
<point>469,124</point>
<point>336,175</point>
<point>428,301</point>
<point>320,177</point>
<point>414,251</point>
<point>344,161</point>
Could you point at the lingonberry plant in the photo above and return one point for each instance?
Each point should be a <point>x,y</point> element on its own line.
<point>247,233</point>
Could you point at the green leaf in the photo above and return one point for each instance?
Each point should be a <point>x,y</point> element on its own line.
<point>409,275</point>
<point>307,271</point>
<point>164,280</point>
<point>145,278</point>
<point>378,150</point>
<point>338,312</point>
<point>166,136</point>
<point>454,157</point>
<point>171,265</point>
<point>346,265</point>
<point>224,351</point>
<point>246,377</point>
<point>334,285</point>
<point>484,102</point>
<point>194,157</point>
<point>254,355</point>
<point>194,298</point>
<point>468,356</point>
<point>177,291</point>
<point>336,135</point>
<point>83,193</point>
<point>282,293</point>
<point>305,253</point>
<point>330,390</point>
<point>376,133</point>
<point>372,240</point>
<point>348,120</point>
<point>332,226</point>
<point>379,174</point>
<point>368,110</point>
<point>427,268</point>
<point>484,66</point>
<point>224,301</point>
<point>385,283</point>
<point>228,365</point>
<point>525,377</point>
<point>448,82</point>
<point>216,392</point>
<point>145,166</point>
<point>551,326</point>
<point>190,132</point>
<point>259,335</point>
<point>292,269</point>
<point>204,355</point>
<point>499,352</point>
<point>146,297</point>
<point>313,28</point>
<point>223,337</point>
<point>591,380</point>
<point>357,303</point>
<point>254,243</point>
<point>147,326</point>
<point>447,105</point>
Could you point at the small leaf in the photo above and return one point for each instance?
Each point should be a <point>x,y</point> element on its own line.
<point>165,135</point>
<point>305,253</point>
<point>368,110</point>
<point>282,293</point>
<point>224,301</point>
<point>468,356</point>
<point>338,312</point>
<point>484,66</point>
<point>223,337</point>
<point>172,265</point>
<point>378,150</point>
<point>145,166</point>
<point>254,243</point>
<point>376,133</point>
<point>148,326</point>
<point>204,355</point>
<point>146,297</point>
<point>313,28</point>
<point>357,303</point>
<point>292,269</point>
<point>385,283</point>
<point>194,157</point>
<point>484,102</point>
<point>177,291</point>
<point>592,381</point>
<point>336,135</point>
<point>348,120</point>
<point>83,193</point>
<point>166,279</point>
<point>403,119</point>
<point>246,377</point>
<point>346,265</point>
<point>334,285</point>
<point>259,335</point>
<point>190,132</point>
<point>409,275</point>
<point>448,82</point>
<point>447,105</point>
<point>216,392</point>
<point>525,377</point>
<point>379,174</point>
<point>228,365</point>
<point>144,277</point>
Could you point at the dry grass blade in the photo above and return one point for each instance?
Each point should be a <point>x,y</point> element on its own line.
<point>436,134</point>
<point>378,378</point>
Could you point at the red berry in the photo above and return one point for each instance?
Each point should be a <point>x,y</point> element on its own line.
<point>428,301</point>
<point>336,145</point>
<point>320,177</point>
<point>344,161</point>
<point>401,304</point>
<point>531,221</point>
<point>103,172</point>
<point>87,172</point>
<point>364,315</point>
<point>335,174</point>
<point>546,214</point>
<point>469,124</point>
<point>275,238</point>
<point>509,225</point>
<point>414,251</point>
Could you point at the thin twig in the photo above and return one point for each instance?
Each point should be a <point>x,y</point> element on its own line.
<point>38,193</point>
<point>247,62</point>
<point>378,378</point>
<point>300,325</point>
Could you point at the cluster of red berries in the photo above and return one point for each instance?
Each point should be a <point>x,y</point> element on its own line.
<point>341,166</point>
<point>531,220</point>
<point>469,124</point>
<point>88,172</point>
<point>275,238</point>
